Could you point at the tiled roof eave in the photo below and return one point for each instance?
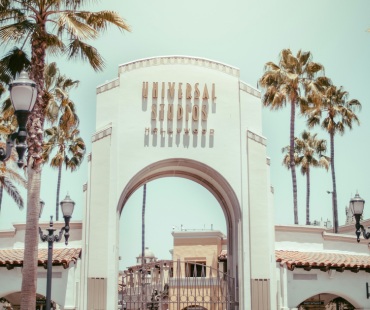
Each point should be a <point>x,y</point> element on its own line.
<point>61,257</point>
<point>323,261</point>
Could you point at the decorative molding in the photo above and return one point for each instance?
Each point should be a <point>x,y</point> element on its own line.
<point>339,237</point>
<point>249,89</point>
<point>46,224</point>
<point>255,137</point>
<point>179,60</point>
<point>60,224</point>
<point>102,134</point>
<point>300,228</point>
<point>107,86</point>
<point>7,233</point>
<point>55,274</point>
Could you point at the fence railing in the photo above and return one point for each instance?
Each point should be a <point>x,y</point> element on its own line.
<point>177,285</point>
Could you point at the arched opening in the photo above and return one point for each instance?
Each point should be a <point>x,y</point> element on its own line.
<point>209,178</point>
<point>12,301</point>
<point>173,205</point>
<point>326,301</point>
<point>196,269</point>
<point>196,307</point>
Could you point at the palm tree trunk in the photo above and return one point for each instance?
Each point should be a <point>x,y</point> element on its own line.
<point>58,192</point>
<point>335,207</point>
<point>29,271</point>
<point>35,128</point>
<point>143,270</point>
<point>308,196</point>
<point>1,195</point>
<point>292,162</point>
<point>143,226</point>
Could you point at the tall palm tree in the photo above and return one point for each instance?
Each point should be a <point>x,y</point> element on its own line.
<point>308,152</point>
<point>58,27</point>
<point>70,150</point>
<point>65,136</point>
<point>60,108</point>
<point>334,112</point>
<point>284,83</point>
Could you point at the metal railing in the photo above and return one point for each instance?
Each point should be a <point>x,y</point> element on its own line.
<point>177,285</point>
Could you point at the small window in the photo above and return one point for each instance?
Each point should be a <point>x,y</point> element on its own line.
<point>195,269</point>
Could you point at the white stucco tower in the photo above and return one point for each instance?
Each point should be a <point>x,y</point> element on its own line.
<point>180,117</point>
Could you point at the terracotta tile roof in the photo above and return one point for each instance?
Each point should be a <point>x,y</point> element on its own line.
<point>323,260</point>
<point>318,260</point>
<point>11,258</point>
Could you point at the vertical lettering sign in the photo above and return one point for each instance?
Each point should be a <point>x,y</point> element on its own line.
<point>179,107</point>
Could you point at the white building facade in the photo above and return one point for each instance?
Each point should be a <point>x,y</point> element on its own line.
<point>180,117</point>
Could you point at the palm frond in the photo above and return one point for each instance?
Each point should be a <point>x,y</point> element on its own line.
<point>100,20</point>
<point>12,191</point>
<point>79,49</point>
<point>68,20</point>
<point>13,63</point>
<point>13,175</point>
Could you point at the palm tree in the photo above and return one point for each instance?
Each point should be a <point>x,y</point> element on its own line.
<point>284,84</point>
<point>58,27</point>
<point>305,151</point>
<point>64,137</point>
<point>60,108</point>
<point>70,151</point>
<point>334,112</point>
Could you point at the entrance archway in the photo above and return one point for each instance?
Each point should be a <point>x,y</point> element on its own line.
<point>205,176</point>
<point>172,204</point>
<point>191,118</point>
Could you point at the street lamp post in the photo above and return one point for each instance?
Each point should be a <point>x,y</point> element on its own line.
<point>67,206</point>
<point>357,205</point>
<point>23,95</point>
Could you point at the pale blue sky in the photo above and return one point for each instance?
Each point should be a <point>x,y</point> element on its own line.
<point>244,34</point>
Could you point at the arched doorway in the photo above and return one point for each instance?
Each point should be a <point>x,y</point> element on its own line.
<point>193,274</point>
<point>205,176</point>
<point>172,204</point>
<point>326,301</point>
<point>12,301</point>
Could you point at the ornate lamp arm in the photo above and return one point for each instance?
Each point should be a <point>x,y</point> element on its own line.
<point>42,236</point>
<point>58,237</point>
<point>360,229</point>
<point>5,154</point>
<point>365,234</point>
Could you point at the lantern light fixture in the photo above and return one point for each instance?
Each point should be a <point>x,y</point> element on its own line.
<point>23,94</point>
<point>356,205</point>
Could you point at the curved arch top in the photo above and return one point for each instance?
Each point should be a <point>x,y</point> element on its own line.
<point>171,60</point>
<point>179,60</point>
<point>189,169</point>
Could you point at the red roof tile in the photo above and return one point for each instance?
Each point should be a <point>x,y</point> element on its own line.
<point>323,260</point>
<point>318,260</point>
<point>14,257</point>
